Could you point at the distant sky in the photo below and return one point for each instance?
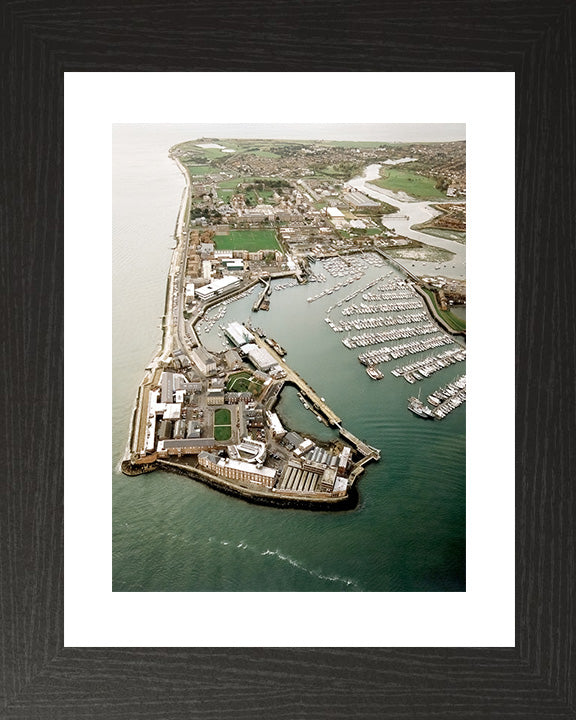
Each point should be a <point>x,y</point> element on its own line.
<point>413,132</point>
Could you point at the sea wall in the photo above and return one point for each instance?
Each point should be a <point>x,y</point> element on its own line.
<point>260,497</point>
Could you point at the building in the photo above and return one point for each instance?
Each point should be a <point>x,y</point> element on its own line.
<point>232,359</point>
<point>206,248</point>
<point>217,287</point>
<point>206,269</point>
<point>189,446</point>
<point>215,396</point>
<point>238,334</point>
<point>249,450</point>
<point>173,411</point>
<point>260,357</point>
<point>275,425</point>
<point>193,429</point>
<point>304,447</point>
<point>233,265</point>
<point>360,201</point>
<point>204,361</point>
<point>167,387</point>
<point>237,470</point>
<point>344,460</point>
<point>328,479</point>
<point>165,430</point>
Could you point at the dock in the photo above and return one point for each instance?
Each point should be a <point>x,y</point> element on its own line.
<point>263,295</point>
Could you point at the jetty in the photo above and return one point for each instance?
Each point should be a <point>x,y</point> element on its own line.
<point>263,295</point>
<point>306,390</point>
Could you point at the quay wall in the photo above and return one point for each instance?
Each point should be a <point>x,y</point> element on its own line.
<point>437,318</point>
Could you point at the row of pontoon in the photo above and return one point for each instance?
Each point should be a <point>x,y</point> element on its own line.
<point>374,338</point>
<point>448,391</point>
<point>393,352</point>
<point>370,323</point>
<point>429,365</point>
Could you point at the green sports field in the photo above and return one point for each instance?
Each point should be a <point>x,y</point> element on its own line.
<point>222,424</point>
<point>251,240</point>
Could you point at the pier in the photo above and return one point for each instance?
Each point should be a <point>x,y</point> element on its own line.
<point>369,452</point>
<point>262,295</point>
<point>293,377</point>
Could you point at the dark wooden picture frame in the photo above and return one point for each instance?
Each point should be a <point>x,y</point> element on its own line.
<point>39,678</point>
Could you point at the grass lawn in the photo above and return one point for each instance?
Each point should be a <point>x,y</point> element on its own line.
<point>222,432</point>
<point>243,382</point>
<point>250,240</point>
<point>262,153</point>
<point>452,320</point>
<point>222,424</point>
<point>400,180</point>
<point>222,416</point>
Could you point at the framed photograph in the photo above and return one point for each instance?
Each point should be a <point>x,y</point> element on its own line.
<point>496,645</point>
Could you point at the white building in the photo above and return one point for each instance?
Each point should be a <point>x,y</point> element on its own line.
<point>237,470</point>
<point>260,357</point>
<point>217,287</point>
<point>275,425</point>
<point>238,333</point>
<point>204,361</point>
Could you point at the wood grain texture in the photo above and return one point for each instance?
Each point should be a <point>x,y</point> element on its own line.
<point>41,679</point>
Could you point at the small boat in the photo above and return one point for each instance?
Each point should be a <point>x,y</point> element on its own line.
<point>416,406</point>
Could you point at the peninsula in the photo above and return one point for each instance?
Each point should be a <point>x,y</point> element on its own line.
<point>258,213</point>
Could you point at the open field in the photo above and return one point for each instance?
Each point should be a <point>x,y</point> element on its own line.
<point>227,188</point>
<point>251,240</point>
<point>403,180</point>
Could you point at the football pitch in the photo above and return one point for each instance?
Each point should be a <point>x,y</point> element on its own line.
<point>251,240</point>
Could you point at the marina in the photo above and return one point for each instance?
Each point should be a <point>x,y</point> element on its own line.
<point>448,391</point>
<point>445,400</point>
<point>393,352</point>
<point>364,309</point>
<point>396,334</point>
<point>429,365</point>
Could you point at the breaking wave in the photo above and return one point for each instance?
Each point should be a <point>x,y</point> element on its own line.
<point>352,584</point>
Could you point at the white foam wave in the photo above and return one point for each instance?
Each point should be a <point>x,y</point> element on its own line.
<point>314,573</point>
<point>294,563</point>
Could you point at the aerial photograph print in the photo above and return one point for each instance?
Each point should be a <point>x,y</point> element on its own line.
<point>289,358</point>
